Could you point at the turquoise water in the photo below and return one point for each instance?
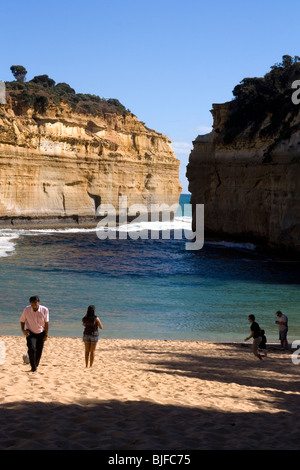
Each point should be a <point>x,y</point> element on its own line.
<point>145,288</point>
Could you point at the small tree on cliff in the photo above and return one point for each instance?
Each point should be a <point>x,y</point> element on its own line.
<point>19,72</point>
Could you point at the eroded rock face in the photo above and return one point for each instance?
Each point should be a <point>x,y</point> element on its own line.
<point>250,188</point>
<point>60,164</point>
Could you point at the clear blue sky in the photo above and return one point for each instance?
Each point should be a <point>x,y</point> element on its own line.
<point>165,60</point>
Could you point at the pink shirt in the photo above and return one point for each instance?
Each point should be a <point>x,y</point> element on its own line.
<point>35,321</point>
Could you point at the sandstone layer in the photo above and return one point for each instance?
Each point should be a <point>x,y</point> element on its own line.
<point>59,165</point>
<point>250,187</point>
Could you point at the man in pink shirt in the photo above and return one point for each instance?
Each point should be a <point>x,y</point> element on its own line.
<point>36,319</point>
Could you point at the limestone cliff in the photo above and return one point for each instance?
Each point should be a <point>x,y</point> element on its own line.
<point>249,179</point>
<point>57,163</point>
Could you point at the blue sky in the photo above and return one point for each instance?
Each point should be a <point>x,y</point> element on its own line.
<point>167,60</point>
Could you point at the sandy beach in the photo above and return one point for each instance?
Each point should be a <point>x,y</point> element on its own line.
<point>148,395</point>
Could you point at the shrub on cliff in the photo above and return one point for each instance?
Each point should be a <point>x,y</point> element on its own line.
<point>42,90</point>
<point>44,81</point>
<point>64,89</point>
<point>41,103</point>
<point>255,99</point>
<point>24,100</point>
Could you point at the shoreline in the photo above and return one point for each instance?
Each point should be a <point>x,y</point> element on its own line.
<point>271,344</point>
<point>73,221</point>
<point>205,341</point>
<point>49,222</point>
<point>148,394</point>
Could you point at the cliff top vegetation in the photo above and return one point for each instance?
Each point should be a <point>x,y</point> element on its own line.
<point>256,99</point>
<point>42,91</point>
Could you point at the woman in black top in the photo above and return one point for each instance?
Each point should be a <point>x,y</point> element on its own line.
<point>90,334</point>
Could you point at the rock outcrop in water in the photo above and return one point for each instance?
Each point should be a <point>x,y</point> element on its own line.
<point>246,172</point>
<point>61,157</point>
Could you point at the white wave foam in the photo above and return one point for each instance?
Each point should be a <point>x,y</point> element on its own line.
<point>50,231</point>
<point>7,244</point>
<point>8,237</point>
<point>180,223</point>
<point>183,223</point>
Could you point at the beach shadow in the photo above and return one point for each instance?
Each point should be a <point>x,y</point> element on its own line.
<point>232,369</point>
<point>136,425</point>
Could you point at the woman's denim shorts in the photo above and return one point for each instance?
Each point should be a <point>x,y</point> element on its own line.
<point>90,339</point>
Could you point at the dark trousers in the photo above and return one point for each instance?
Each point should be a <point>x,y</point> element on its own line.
<point>35,344</point>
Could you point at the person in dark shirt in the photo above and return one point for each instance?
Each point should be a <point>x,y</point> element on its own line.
<point>256,335</point>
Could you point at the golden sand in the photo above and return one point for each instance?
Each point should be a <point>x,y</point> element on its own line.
<point>153,395</point>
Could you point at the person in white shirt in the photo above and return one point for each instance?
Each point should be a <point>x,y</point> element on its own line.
<point>35,325</point>
<point>282,323</point>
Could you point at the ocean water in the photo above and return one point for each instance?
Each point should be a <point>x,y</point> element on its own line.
<point>145,288</point>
